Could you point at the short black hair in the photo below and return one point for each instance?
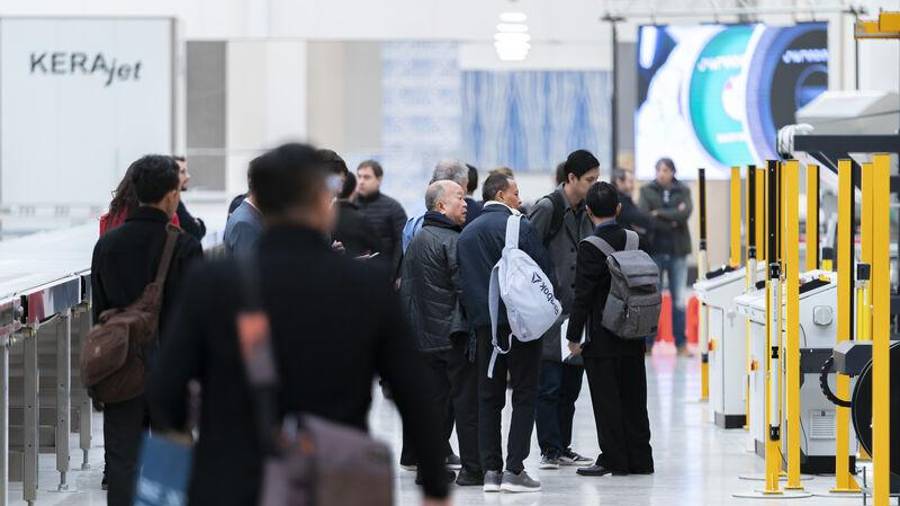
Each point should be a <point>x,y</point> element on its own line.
<point>666,161</point>
<point>288,177</point>
<point>580,162</point>
<point>473,179</point>
<point>252,170</point>
<point>602,199</point>
<point>153,177</point>
<point>334,162</point>
<point>494,184</point>
<point>349,186</point>
<point>561,173</point>
<point>376,167</point>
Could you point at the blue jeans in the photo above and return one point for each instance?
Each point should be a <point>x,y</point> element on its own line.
<point>559,388</point>
<point>675,269</point>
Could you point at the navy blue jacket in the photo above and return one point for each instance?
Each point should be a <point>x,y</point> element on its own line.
<point>480,247</point>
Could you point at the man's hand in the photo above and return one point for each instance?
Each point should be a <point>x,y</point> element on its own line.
<point>429,501</point>
<point>574,348</point>
<point>682,206</point>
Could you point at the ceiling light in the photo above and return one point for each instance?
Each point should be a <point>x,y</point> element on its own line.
<point>512,28</point>
<point>513,17</point>
<point>511,39</point>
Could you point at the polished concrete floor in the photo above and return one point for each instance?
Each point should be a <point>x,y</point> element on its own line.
<point>696,463</point>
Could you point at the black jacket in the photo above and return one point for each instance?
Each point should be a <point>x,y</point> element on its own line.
<point>126,258</point>
<point>592,282</point>
<point>354,232</point>
<point>480,247</point>
<point>193,226</point>
<point>430,288</point>
<point>673,237</point>
<point>335,326</point>
<point>387,218</point>
<point>473,209</point>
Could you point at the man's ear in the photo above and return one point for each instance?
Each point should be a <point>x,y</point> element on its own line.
<point>618,209</point>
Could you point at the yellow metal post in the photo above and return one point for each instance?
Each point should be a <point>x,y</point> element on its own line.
<point>881,321</point>
<point>791,216</point>
<point>812,217</point>
<point>844,481</point>
<point>734,258</point>
<point>702,267</point>
<point>773,335</point>
<point>761,213</point>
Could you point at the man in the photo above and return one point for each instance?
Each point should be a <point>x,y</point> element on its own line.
<point>473,207</point>
<point>244,225</point>
<point>561,223</point>
<point>670,201</point>
<point>445,170</point>
<point>430,292</point>
<point>615,367</point>
<point>384,214</point>
<point>352,230</point>
<point>193,226</point>
<point>480,247</point>
<point>125,261</point>
<point>633,217</point>
<point>326,361</point>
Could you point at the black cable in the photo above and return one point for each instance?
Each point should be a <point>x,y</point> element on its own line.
<point>826,388</point>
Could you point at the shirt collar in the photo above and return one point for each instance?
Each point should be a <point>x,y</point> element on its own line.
<point>605,224</point>
<point>515,212</point>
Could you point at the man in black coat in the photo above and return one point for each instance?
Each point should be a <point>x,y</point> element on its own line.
<point>124,262</point>
<point>193,226</point>
<point>352,229</point>
<point>430,292</point>
<point>384,214</point>
<point>615,367</point>
<point>480,247</point>
<point>632,216</point>
<point>326,360</point>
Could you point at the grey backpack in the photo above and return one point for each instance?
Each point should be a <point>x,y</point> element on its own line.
<point>632,307</point>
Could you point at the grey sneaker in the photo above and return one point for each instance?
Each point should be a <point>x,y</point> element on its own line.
<point>570,458</point>
<point>518,483</point>
<point>548,462</point>
<point>492,481</point>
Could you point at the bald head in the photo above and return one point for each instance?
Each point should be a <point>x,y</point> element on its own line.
<point>447,198</point>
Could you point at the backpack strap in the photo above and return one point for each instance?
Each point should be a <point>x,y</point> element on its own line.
<point>165,261</point>
<point>494,310</point>
<point>600,244</point>
<point>632,240</point>
<point>558,218</point>
<point>512,231</point>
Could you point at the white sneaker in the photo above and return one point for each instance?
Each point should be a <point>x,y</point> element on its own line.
<point>519,483</point>
<point>492,481</point>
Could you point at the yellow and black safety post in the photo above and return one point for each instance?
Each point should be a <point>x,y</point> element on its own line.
<point>734,257</point>
<point>812,217</point>
<point>881,322</point>
<point>844,481</point>
<point>702,268</point>
<point>773,333</point>
<point>791,169</point>
<point>751,276</point>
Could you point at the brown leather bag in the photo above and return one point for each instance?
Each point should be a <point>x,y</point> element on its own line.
<point>112,361</point>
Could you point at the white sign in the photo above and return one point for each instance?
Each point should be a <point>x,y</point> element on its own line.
<point>80,99</point>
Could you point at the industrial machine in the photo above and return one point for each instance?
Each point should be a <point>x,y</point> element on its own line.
<point>818,302</point>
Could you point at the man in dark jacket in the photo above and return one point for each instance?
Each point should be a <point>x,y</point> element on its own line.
<point>632,216</point>
<point>125,261</point>
<point>473,206</point>
<point>430,292</point>
<point>193,226</point>
<point>615,367</point>
<point>480,247</point>
<point>562,223</point>
<point>244,226</point>
<point>352,230</point>
<point>667,199</point>
<point>326,361</point>
<point>384,214</point>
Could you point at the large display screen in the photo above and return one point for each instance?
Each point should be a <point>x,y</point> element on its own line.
<point>714,96</point>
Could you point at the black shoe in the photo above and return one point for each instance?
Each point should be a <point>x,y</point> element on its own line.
<point>598,470</point>
<point>104,485</point>
<point>450,477</point>
<point>470,478</point>
<point>453,462</point>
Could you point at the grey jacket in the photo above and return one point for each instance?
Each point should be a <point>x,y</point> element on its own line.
<point>563,250</point>
<point>430,288</point>
<point>676,235</point>
<point>242,230</point>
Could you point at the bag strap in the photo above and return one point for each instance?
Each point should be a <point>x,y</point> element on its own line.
<point>600,244</point>
<point>512,231</point>
<point>165,261</point>
<point>632,240</point>
<point>558,218</point>
<point>494,310</point>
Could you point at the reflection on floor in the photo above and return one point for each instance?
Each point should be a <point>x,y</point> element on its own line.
<point>696,463</point>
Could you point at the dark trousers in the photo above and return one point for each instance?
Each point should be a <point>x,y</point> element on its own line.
<point>124,424</point>
<point>675,269</point>
<point>559,389</point>
<point>619,395</point>
<point>456,394</point>
<point>522,364</point>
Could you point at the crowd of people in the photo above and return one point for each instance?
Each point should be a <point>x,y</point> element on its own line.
<point>321,239</point>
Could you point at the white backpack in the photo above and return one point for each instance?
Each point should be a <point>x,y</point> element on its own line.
<point>531,306</point>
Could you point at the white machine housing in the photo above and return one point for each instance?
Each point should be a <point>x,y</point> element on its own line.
<point>818,331</point>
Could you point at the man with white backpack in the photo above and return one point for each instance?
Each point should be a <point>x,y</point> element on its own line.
<point>507,281</point>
